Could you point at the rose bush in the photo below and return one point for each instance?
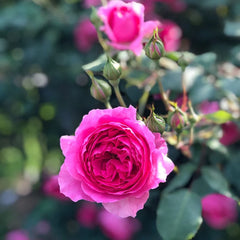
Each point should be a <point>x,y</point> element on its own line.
<point>124,25</point>
<point>113,159</point>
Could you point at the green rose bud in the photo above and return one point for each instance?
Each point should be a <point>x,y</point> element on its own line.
<point>155,122</point>
<point>112,70</point>
<point>154,49</point>
<point>177,120</point>
<point>99,89</point>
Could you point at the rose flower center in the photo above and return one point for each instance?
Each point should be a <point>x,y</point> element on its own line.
<point>113,159</point>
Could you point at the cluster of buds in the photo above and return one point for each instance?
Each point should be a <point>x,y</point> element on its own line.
<point>100,89</point>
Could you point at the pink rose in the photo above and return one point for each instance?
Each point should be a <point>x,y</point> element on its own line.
<point>51,188</point>
<point>170,33</point>
<point>124,25</point>
<point>218,210</point>
<point>87,214</point>
<point>117,228</point>
<point>85,35</point>
<point>207,107</point>
<point>231,133</point>
<point>113,159</point>
<point>17,234</point>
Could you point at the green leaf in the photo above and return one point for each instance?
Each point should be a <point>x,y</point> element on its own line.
<point>216,180</point>
<point>179,215</point>
<point>184,175</point>
<point>219,117</point>
<point>232,170</point>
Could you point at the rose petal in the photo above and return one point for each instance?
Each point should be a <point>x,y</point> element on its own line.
<point>71,187</point>
<point>127,206</point>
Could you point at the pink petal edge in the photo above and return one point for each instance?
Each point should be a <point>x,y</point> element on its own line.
<point>127,206</point>
<point>71,187</point>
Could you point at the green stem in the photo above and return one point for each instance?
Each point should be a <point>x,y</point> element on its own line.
<point>163,94</point>
<point>119,96</point>
<point>102,42</point>
<point>108,105</point>
<point>143,100</point>
<point>184,104</point>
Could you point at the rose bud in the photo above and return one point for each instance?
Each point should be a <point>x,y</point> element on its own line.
<point>112,70</point>
<point>100,90</point>
<point>177,120</point>
<point>155,123</point>
<point>154,49</point>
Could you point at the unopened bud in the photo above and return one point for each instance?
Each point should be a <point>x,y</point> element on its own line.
<point>154,49</point>
<point>177,120</point>
<point>155,122</point>
<point>112,70</point>
<point>99,89</point>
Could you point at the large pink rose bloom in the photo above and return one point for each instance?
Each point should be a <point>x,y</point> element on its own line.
<point>218,210</point>
<point>113,159</point>
<point>124,25</point>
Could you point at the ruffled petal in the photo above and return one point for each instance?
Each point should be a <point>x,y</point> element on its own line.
<point>164,165</point>
<point>71,187</point>
<point>66,143</point>
<point>127,206</point>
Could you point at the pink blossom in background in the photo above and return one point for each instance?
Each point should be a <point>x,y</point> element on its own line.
<point>207,107</point>
<point>17,234</point>
<point>90,3</point>
<point>230,133</point>
<point>51,188</point>
<point>170,33</point>
<point>87,214</point>
<point>117,228</point>
<point>113,159</point>
<point>85,35</point>
<point>124,25</point>
<point>218,210</point>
